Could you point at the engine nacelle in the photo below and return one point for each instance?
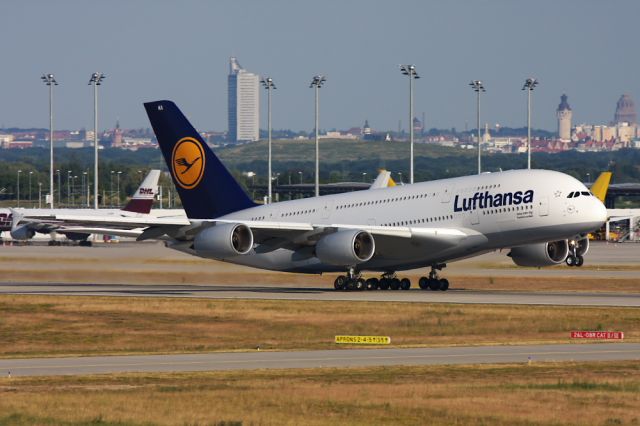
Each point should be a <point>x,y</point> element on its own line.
<point>224,240</point>
<point>542,254</point>
<point>22,232</point>
<point>346,248</point>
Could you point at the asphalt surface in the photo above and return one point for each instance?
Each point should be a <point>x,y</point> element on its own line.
<point>319,359</point>
<point>289,293</point>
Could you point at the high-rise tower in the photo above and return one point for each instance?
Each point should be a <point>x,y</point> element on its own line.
<point>564,115</point>
<point>244,103</point>
<point>625,111</point>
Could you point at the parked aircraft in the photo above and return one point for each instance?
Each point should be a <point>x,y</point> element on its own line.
<point>535,213</point>
<point>24,223</point>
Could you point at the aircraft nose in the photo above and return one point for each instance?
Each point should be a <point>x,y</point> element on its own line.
<point>599,211</point>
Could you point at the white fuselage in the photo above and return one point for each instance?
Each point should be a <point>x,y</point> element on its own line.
<point>497,210</point>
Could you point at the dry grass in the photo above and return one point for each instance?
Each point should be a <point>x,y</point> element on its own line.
<point>60,325</point>
<point>564,393</point>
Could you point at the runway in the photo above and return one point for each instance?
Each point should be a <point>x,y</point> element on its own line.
<point>320,359</point>
<point>248,291</point>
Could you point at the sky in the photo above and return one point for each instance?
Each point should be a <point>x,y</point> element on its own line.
<point>179,50</point>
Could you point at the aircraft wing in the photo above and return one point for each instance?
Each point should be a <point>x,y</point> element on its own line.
<point>292,234</point>
<point>120,221</point>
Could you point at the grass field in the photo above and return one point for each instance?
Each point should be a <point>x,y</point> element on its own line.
<point>537,394</point>
<point>56,325</point>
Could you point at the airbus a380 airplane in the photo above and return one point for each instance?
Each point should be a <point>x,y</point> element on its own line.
<point>542,216</point>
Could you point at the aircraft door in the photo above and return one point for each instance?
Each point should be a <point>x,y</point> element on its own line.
<point>475,217</point>
<point>326,209</point>
<point>543,206</point>
<point>446,195</point>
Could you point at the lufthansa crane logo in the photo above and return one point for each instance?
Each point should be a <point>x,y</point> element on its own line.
<point>187,162</point>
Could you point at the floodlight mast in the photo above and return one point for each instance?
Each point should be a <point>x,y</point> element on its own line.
<point>50,80</point>
<point>410,71</point>
<point>96,80</point>
<point>317,83</point>
<point>529,84</point>
<point>269,85</point>
<point>478,87</point>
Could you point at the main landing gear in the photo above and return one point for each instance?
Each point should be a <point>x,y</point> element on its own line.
<point>574,259</point>
<point>433,282</point>
<point>353,281</point>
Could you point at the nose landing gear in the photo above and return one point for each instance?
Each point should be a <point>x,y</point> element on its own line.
<point>574,259</point>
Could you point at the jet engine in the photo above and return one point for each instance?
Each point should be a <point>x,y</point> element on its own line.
<point>542,254</point>
<point>22,232</point>
<point>346,248</point>
<point>224,240</point>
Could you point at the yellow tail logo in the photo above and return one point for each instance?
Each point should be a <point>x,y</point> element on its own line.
<point>187,162</point>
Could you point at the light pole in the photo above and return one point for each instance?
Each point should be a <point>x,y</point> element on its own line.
<point>410,71</point>
<point>18,187</point>
<point>111,188</point>
<point>477,86</point>
<point>30,174</point>
<point>96,80</point>
<point>400,174</point>
<point>364,175</point>
<point>300,174</point>
<point>59,187</point>
<point>269,85</point>
<point>50,81</point>
<point>118,181</point>
<point>74,188</point>
<point>69,201</point>
<point>317,83</point>
<point>85,189</point>
<point>39,195</point>
<point>529,85</point>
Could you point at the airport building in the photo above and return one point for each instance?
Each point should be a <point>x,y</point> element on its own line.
<point>244,103</point>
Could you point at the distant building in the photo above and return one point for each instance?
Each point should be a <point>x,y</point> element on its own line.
<point>116,137</point>
<point>243,103</point>
<point>564,115</point>
<point>418,127</point>
<point>5,140</point>
<point>625,111</point>
<point>366,129</point>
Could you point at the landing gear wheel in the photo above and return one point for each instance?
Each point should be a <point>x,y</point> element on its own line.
<point>395,284</point>
<point>405,284</point>
<point>360,284</point>
<point>384,284</point>
<point>372,284</point>
<point>571,260</point>
<point>423,283</point>
<point>434,285</point>
<point>340,282</point>
<point>444,284</point>
<point>579,260</point>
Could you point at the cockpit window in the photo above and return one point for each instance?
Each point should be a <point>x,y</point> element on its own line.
<point>576,194</point>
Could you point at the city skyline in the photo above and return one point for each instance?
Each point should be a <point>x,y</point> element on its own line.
<point>153,50</point>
